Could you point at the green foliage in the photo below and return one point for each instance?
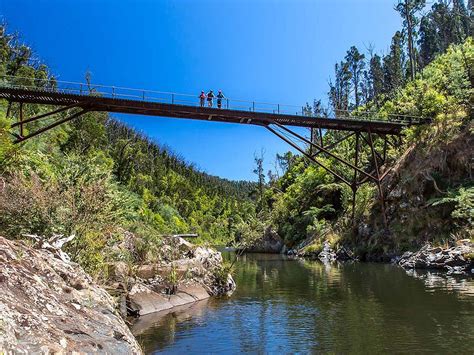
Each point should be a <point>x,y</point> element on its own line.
<point>306,202</point>
<point>304,195</point>
<point>248,231</point>
<point>462,202</point>
<point>221,273</point>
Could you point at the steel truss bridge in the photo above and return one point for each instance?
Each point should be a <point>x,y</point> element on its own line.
<point>75,99</point>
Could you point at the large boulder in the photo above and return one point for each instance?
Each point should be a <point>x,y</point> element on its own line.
<point>144,300</point>
<point>327,254</point>
<point>187,273</point>
<point>270,242</point>
<point>48,305</point>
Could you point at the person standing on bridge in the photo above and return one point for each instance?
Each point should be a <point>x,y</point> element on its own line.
<point>202,97</point>
<point>220,97</point>
<point>210,98</point>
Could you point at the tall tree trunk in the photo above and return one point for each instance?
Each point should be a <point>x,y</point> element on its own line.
<point>411,53</point>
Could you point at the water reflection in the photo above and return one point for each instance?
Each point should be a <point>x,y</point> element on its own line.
<point>436,280</point>
<point>284,305</point>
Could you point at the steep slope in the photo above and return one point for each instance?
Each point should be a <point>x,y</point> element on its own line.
<point>430,192</point>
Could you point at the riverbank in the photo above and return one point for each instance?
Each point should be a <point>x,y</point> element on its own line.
<point>452,259</point>
<point>455,258</point>
<point>182,273</point>
<point>49,304</point>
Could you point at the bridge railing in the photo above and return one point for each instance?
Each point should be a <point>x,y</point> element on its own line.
<point>119,92</point>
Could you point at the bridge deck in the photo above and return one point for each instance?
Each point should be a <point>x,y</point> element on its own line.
<point>99,102</point>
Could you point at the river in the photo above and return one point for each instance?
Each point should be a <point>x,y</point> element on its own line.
<point>289,306</point>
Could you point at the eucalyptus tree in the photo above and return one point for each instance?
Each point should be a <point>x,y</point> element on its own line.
<point>408,10</point>
<point>356,64</point>
<point>393,64</point>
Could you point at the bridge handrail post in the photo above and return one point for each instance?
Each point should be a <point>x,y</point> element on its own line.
<point>172,99</point>
<point>278,110</point>
<point>253,106</point>
<point>81,89</point>
<point>113,92</point>
<point>227,103</point>
<point>143,95</point>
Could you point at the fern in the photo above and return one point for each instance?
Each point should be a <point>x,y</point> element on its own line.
<point>463,201</point>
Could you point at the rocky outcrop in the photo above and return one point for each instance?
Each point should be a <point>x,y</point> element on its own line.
<point>455,260</point>
<point>326,254</point>
<point>186,274</point>
<point>270,242</point>
<point>426,172</point>
<point>48,305</point>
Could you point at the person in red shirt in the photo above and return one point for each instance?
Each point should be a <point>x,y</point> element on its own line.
<point>202,97</point>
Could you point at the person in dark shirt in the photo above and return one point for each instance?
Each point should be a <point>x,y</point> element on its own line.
<point>220,97</point>
<point>210,98</point>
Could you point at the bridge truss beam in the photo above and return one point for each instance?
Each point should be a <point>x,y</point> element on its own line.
<point>358,177</point>
<point>21,137</point>
<point>378,160</point>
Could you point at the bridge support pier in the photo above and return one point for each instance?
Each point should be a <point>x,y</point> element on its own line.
<point>354,180</point>
<point>374,176</point>
<point>379,180</point>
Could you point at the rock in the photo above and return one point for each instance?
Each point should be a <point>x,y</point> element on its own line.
<point>226,288</point>
<point>48,305</point>
<point>456,270</point>
<point>196,274</point>
<point>450,259</point>
<point>146,271</point>
<point>270,242</point>
<point>327,254</point>
<point>344,254</point>
<point>208,257</point>
<point>118,271</point>
<point>180,313</point>
<point>144,300</point>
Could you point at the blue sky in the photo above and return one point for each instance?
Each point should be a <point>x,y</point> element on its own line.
<point>276,51</point>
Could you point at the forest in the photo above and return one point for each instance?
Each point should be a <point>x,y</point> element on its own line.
<point>100,180</point>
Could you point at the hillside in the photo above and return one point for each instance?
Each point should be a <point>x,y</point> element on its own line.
<point>98,179</point>
<point>430,192</point>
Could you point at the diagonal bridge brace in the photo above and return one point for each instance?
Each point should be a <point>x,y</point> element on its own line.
<point>354,184</point>
<point>326,151</point>
<point>21,137</point>
<point>310,157</point>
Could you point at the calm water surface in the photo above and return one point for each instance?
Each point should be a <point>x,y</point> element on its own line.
<point>289,306</point>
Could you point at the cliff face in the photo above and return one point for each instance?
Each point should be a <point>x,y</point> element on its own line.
<point>428,196</point>
<point>49,305</point>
